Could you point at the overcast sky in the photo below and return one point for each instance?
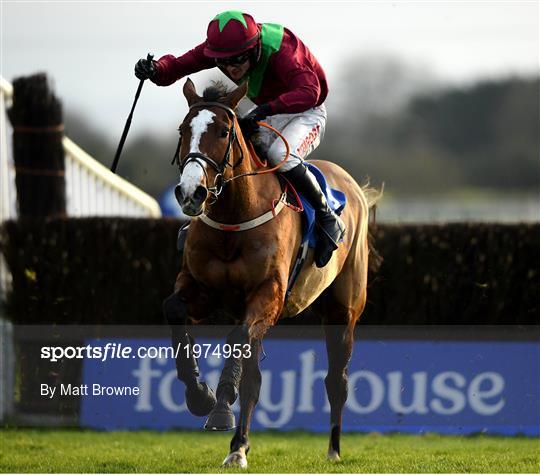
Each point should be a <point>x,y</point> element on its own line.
<point>89,48</point>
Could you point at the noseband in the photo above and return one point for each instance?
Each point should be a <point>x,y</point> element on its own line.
<point>219,182</point>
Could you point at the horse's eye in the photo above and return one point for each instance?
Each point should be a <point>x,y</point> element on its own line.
<point>224,133</point>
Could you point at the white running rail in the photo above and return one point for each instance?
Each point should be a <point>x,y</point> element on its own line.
<point>91,188</point>
<point>7,176</point>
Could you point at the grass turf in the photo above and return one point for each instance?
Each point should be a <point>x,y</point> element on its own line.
<point>33,450</point>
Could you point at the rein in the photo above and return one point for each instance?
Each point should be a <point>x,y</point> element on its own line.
<point>220,168</point>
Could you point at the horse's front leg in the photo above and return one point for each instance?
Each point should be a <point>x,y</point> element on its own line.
<point>250,386</point>
<point>222,417</point>
<point>200,399</point>
<point>263,309</point>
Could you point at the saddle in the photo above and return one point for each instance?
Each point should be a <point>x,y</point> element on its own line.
<point>336,199</point>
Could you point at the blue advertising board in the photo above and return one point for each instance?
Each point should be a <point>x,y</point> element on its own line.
<point>407,386</point>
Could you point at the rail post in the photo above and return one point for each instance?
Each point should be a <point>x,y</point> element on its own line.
<point>36,117</point>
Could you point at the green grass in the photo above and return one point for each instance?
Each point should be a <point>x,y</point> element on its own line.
<point>31,450</point>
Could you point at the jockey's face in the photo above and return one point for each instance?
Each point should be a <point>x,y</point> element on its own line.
<point>237,71</point>
<point>236,66</point>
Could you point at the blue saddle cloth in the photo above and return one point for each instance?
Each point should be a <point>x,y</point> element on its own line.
<point>336,199</point>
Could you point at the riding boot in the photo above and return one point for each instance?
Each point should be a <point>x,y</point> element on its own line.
<point>331,225</point>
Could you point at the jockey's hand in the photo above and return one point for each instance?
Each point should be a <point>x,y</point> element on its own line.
<point>145,69</point>
<point>248,124</point>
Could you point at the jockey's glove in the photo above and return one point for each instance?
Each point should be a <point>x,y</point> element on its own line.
<point>248,124</point>
<point>145,69</point>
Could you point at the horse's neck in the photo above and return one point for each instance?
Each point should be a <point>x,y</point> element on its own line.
<point>247,197</point>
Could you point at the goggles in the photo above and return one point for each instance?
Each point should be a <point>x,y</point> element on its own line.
<point>234,60</point>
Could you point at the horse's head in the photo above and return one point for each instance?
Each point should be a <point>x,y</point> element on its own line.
<point>208,135</point>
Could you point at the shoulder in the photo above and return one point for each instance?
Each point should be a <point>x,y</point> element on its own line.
<point>289,37</point>
<point>288,48</point>
<point>290,41</point>
<point>292,54</point>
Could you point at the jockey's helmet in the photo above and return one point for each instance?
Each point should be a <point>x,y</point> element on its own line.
<point>230,34</point>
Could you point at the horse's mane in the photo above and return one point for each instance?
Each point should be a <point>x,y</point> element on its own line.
<point>216,91</point>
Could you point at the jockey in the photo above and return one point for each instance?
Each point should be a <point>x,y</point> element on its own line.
<point>288,86</point>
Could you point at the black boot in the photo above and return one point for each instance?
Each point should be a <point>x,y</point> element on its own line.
<point>330,224</point>
<point>181,239</point>
<point>200,399</point>
<point>222,417</point>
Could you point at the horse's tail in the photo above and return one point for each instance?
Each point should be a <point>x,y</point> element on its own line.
<point>373,196</point>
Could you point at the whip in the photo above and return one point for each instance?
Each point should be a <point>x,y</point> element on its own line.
<point>149,57</point>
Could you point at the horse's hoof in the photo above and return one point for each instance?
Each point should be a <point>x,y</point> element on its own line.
<point>333,456</point>
<point>236,459</point>
<point>221,418</point>
<point>200,399</point>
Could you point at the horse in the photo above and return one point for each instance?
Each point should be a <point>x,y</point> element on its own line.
<point>239,253</point>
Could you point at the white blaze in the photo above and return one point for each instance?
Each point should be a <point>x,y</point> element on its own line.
<point>193,172</point>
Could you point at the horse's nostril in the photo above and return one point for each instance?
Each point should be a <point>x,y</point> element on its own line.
<point>178,194</point>
<point>200,194</point>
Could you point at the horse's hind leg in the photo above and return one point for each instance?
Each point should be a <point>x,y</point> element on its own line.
<point>344,303</point>
<point>339,343</point>
<point>250,386</point>
<point>200,398</point>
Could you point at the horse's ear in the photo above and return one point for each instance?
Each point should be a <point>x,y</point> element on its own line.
<point>190,93</point>
<point>235,96</point>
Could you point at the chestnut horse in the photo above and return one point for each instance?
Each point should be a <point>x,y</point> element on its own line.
<point>244,272</point>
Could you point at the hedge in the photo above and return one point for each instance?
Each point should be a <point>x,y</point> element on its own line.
<point>118,271</point>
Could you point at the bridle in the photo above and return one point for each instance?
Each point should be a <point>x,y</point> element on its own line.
<point>220,182</point>
<point>220,168</point>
